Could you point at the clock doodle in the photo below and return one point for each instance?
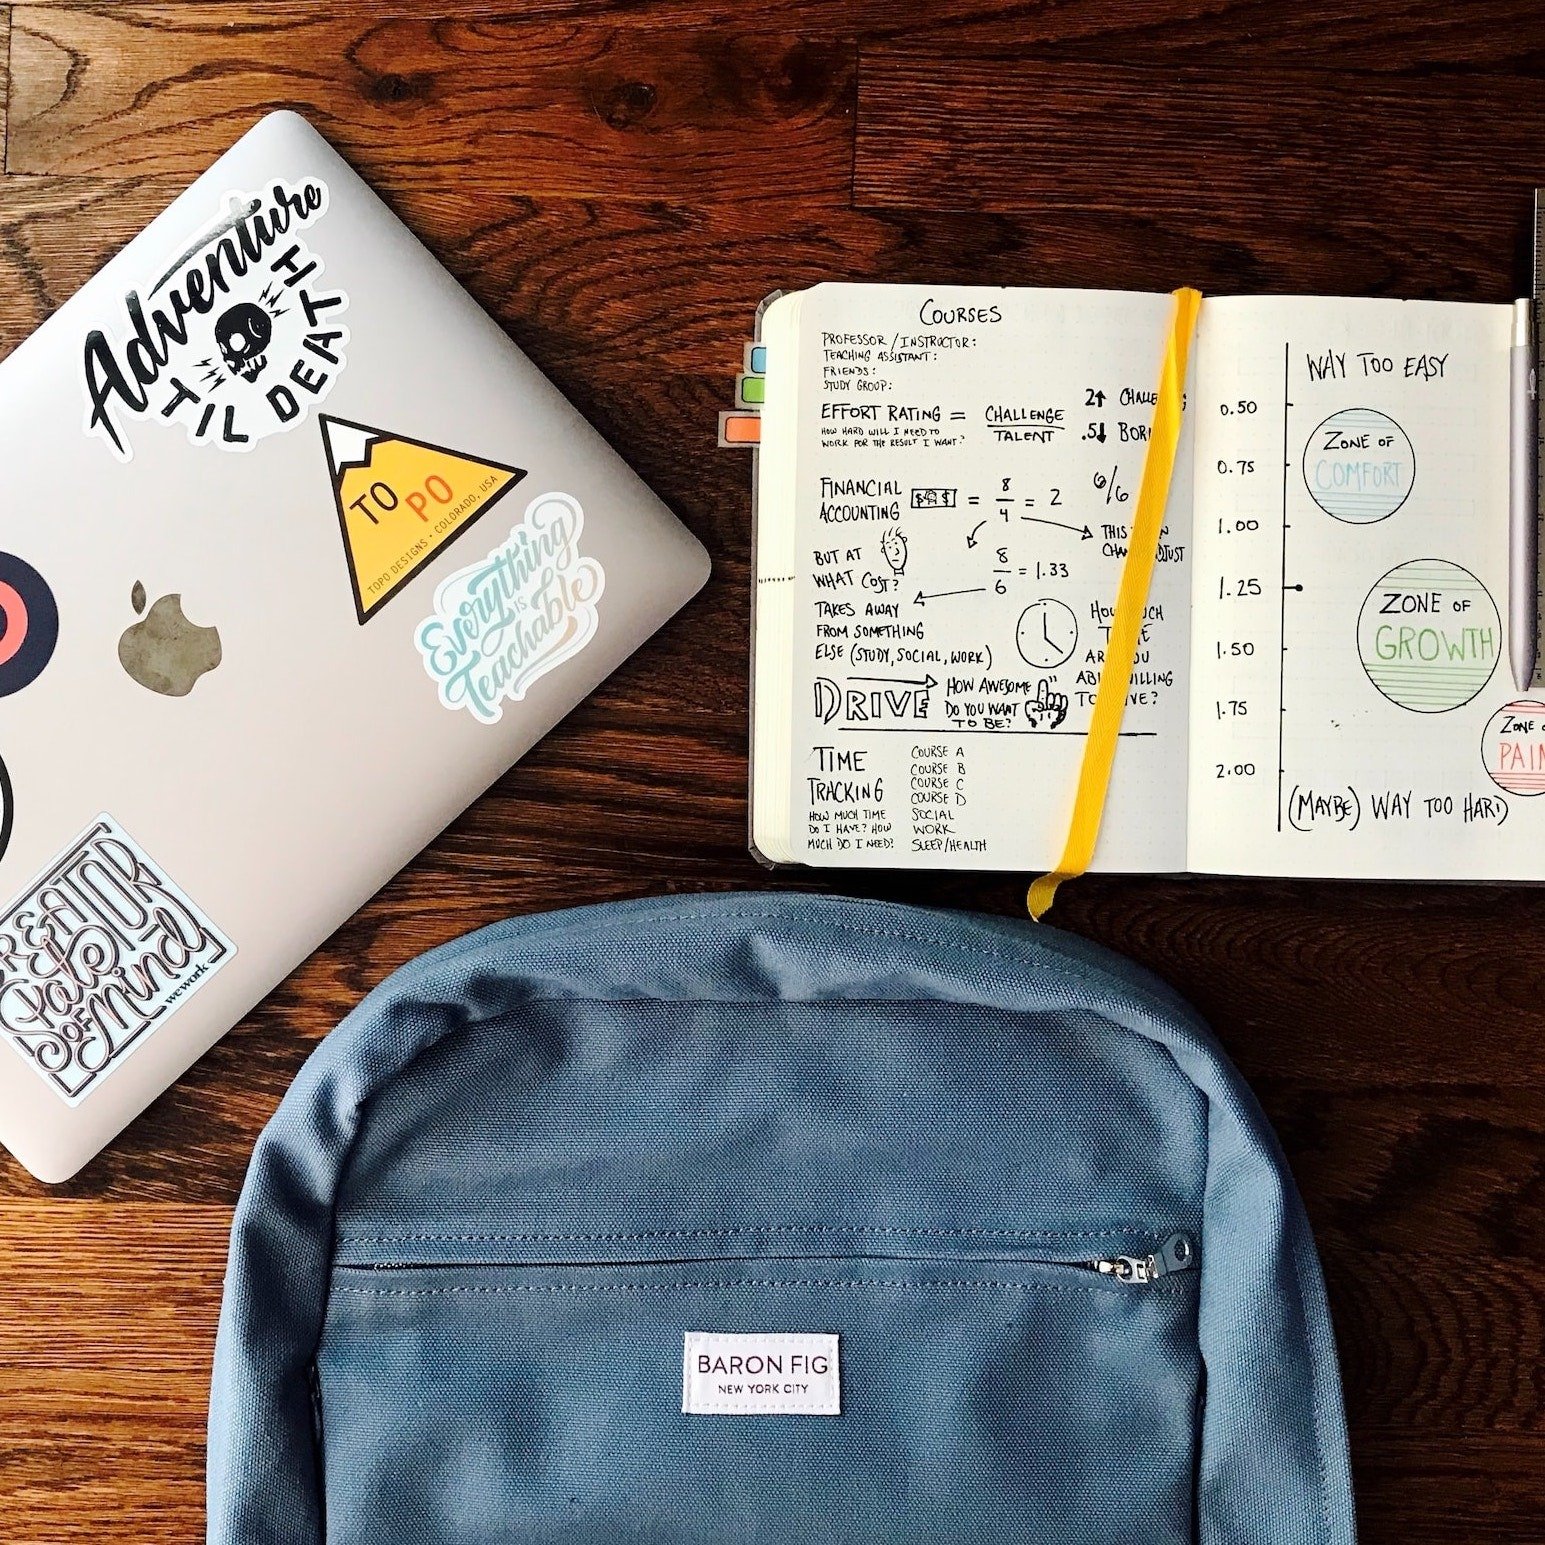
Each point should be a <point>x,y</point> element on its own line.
<point>1047,634</point>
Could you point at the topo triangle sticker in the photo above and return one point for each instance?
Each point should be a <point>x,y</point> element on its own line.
<point>400,501</point>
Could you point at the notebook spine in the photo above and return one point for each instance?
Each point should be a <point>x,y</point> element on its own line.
<point>754,369</point>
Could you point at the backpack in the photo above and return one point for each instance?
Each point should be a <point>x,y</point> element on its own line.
<point>773,1218</point>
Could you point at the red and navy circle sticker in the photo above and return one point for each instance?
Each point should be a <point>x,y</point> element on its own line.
<point>29,624</point>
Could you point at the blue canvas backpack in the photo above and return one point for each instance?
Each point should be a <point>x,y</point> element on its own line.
<point>773,1219</point>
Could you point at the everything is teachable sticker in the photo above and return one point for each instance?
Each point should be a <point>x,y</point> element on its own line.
<point>503,622</point>
<point>236,339</point>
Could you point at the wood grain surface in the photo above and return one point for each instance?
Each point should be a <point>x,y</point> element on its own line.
<point>619,184</point>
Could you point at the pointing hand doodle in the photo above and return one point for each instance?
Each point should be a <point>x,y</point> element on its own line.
<point>893,548</point>
<point>1047,709</point>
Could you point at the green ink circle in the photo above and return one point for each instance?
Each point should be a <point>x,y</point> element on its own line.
<point>1429,635</point>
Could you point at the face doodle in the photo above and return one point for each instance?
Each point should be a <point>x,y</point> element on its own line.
<point>893,548</point>
<point>242,335</point>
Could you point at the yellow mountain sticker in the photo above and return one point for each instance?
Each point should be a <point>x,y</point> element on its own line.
<point>400,501</point>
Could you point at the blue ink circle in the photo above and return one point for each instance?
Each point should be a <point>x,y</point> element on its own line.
<point>1359,466</point>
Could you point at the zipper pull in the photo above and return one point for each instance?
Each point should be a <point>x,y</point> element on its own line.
<point>1177,1253</point>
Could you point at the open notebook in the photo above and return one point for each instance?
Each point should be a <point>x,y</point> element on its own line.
<point>945,483</point>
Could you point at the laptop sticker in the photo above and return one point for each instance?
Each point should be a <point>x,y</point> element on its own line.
<point>400,501</point>
<point>505,621</point>
<point>29,624</point>
<point>234,336</point>
<point>95,955</point>
<point>7,807</point>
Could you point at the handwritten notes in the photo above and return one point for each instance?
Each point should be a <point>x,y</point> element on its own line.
<point>1322,688</point>
<point>1352,709</point>
<point>952,477</point>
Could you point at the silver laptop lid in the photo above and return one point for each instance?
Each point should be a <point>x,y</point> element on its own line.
<point>299,554</point>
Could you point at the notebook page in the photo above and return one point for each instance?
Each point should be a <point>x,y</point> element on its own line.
<point>967,461</point>
<point>1350,714</point>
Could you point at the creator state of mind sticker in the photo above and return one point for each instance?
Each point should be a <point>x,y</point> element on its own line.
<point>236,339</point>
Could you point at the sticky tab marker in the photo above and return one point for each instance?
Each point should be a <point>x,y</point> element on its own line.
<point>1127,622</point>
<point>740,429</point>
<point>751,390</point>
<point>756,359</point>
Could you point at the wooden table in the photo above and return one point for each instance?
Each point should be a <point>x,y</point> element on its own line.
<point>620,183</point>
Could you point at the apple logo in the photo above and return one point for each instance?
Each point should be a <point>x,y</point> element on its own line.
<point>164,651</point>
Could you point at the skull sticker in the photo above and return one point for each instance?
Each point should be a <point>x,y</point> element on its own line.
<point>242,335</point>
<point>248,337</point>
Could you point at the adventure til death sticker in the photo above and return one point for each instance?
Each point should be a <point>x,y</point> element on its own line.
<point>505,621</point>
<point>236,339</point>
<point>100,950</point>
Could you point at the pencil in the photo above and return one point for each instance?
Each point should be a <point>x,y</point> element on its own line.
<point>1523,545</point>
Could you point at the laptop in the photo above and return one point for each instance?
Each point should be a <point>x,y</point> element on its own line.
<point>299,554</point>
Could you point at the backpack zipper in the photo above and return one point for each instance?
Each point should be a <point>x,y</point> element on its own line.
<point>1177,1253</point>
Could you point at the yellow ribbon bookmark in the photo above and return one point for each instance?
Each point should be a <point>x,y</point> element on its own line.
<point>1126,627</point>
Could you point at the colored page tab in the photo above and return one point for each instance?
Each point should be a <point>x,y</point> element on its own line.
<point>400,501</point>
<point>739,429</point>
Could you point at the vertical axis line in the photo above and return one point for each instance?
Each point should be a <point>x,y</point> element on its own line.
<point>1282,614</point>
